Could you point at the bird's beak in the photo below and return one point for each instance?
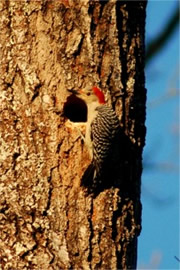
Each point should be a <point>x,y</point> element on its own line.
<point>75,92</point>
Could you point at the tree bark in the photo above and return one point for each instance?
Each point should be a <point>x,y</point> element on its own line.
<point>47,219</point>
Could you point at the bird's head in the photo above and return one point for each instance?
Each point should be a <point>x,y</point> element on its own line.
<point>90,96</point>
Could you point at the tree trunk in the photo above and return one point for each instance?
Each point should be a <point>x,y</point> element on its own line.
<point>47,219</point>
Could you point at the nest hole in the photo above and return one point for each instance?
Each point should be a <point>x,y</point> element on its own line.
<point>75,109</point>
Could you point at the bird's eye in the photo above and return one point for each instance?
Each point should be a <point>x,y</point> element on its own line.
<point>88,93</point>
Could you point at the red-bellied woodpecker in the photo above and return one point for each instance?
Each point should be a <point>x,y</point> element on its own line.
<point>101,130</point>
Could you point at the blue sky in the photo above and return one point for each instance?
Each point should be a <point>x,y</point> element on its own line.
<point>159,240</point>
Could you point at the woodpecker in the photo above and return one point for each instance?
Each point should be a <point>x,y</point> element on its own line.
<point>102,129</point>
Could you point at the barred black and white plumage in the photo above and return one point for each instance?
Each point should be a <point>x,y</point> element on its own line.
<point>104,131</point>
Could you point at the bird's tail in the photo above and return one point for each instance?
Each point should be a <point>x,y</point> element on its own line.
<point>88,176</point>
<point>92,180</point>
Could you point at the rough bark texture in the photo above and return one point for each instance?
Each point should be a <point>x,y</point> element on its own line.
<point>47,220</point>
